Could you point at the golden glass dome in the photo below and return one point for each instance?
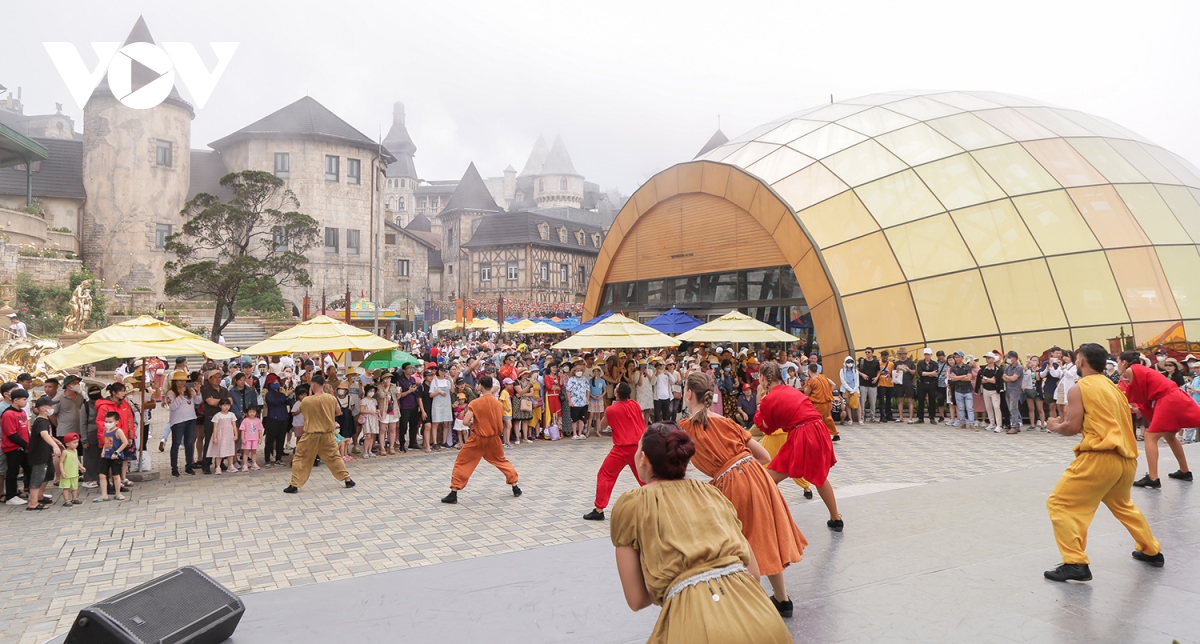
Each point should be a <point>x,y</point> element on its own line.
<point>977,221</point>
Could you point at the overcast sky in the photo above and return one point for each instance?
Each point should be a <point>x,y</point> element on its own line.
<point>633,86</point>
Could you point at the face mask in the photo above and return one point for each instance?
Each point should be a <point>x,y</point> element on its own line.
<point>51,411</point>
<point>108,424</point>
<point>1160,358</point>
<point>73,389</point>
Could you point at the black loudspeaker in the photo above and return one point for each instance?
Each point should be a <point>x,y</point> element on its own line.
<point>184,606</point>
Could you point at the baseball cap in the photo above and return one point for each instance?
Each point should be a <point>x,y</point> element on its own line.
<point>927,351</point>
<point>44,401</point>
<point>70,437</point>
<point>508,381</point>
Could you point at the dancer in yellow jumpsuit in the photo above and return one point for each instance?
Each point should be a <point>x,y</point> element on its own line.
<point>1102,472</point>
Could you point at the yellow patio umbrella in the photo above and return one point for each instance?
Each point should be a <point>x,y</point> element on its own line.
<point>519,326</point>
<point>736,327</point>
<point>617,332</point>
<point>445,325</point>
<point>141,337</point>
<point>483,323</point>
<point>541,328</point>
<point>319,334</point>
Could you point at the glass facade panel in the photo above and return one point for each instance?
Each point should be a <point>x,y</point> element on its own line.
<point>862,264</point>
<point>953,306</point>
<point>835,220</point>
<point>1107,216</point>
<point>779,164</point>
<point>969,131</point>
<point>1050,119</point>
<point>1147,295</point>
<point>931,246</point>
<point>811,185</point>
<point>1023,297</point>
<point>963,100</point>
<point>1015,124</point>
<point>720,152</point>
<point>790,131</point>
<point>1015,169</point>
<point>922,109</point>
<point>1152,213</point>
<point>1142,160</point>
<point>656,293</point>
<point>882,318</point>
<point>1177,168</point>
<point>959,182</point>
<point>876,121</point>
<point>1064,162</point>
<point>1055,223</point>
<point>898,198</point>
<point>1087,289</point>
<point>1104,158</point>
<point>1095,125</point>
<point>719,287</point>
<point>750,153</point>
<point>1035,343</point>
<point>685,290</point>
<point>995,233</point>
<point>917,144</point>
<point>760,284</point>
<point>834,112</point>
<point>864,162</point>
<point>826,141</point>
<point>1185,207</point>
<point>1098,334</point>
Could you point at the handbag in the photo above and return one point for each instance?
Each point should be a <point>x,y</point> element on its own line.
<point>526,404</point>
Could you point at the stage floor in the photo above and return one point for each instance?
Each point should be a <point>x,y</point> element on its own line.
<point>947,562</point>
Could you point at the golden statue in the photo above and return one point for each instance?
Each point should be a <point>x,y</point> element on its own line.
<point>81,308</point>
<point>25,355</point>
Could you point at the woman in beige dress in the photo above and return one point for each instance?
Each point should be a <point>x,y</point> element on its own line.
<point>680,545</point>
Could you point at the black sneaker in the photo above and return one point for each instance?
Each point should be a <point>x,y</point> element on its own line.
<point>188,470</point>
<point>279,463</point>
<point>1155,561</point>
<point>516,490</point>
<point>835,525</point>
<point>349,483</point>
<point>452,497</point>
<point>1069,572</point>
<point>808,494</point>
<point>175,472</point>
<point>1146,481</point>
<point>837,437</point>
<point>784,607</point>
<point>291,489</point>
<point>1181,475</point>
<point>594,515</point>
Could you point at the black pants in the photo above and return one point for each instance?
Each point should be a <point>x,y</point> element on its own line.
<point>410,422</point>
<point>664,410</point>
<point>275,434</point>
<point>16,462</point>
<point>91,459</point>
<point>885,403</point>
<point>185,433</point>
<point>927,393</point>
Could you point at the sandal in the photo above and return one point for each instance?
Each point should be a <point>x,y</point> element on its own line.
<point>102,499</point>
<point>120,497</point>
<point>38,507</point>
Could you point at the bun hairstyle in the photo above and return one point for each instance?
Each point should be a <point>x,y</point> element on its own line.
<point>669,450</point>
<point>699,385</point>
<point>769,372</point>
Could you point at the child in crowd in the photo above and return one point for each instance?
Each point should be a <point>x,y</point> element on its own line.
<point>250,431</point>
<point>345,420</point>
<point>42,453</point>
<point>596,388</point>
<point>460,412</point>
<point>505,397</point>
<point>115,442</point>
<point>840,411</point>
<point>221,448</point>
<point>297,417</point>
<point>69,483</point>
<point>368,416</point>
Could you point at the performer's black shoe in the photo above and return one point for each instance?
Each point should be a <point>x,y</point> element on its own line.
<point>1069,572</point>
<point>1181,475</point>
<point>516,490</point>
<point>452,497</point>
<point>1146,481</point>
<point>808,494</point>
<point>594,515</point>
<point>835,525</point>
<point>349,483</point>
<point>291,489</point>
<point>784,607</point>
<point>1156,561</point>
<point>837,437</point>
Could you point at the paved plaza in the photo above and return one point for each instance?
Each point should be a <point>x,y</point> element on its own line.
<point>243,531</point>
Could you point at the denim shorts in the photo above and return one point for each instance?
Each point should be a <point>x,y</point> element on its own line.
<point>37,475</point>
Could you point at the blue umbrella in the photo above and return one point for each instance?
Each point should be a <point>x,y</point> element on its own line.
<point>567,324</point>
<point>674,322</point>
<point>589,323</point>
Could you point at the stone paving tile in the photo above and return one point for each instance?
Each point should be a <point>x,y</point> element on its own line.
<point>241,529</point>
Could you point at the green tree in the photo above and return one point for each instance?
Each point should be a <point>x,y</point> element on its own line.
<point>256,234</point>
<point>262,295</point>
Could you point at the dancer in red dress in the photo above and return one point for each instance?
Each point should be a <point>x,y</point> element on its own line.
<point>1167,408</point>
<point>808,452</point>
<point>628,425</point>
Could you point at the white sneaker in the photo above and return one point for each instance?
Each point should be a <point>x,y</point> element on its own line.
<point>16,500</point>
<point>91,485</point>
<point>998,429</point>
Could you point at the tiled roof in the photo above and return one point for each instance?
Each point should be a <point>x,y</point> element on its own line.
<point>537,158</point>
<point>472,194</point>
<point>559,161</point>
<point>60,175</point>
<point>305,117</point>
<point>509,228</point>
<point>420,223</point>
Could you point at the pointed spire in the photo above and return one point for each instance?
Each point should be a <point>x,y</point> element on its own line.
<point>559,160</point>
<point>472,194</point>
<point>537,158</point>
<point>139,73</point>
<point>718,139</point>
<point>401,145</point>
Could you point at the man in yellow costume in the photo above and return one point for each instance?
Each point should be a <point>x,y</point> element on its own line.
<point>1103,469</point>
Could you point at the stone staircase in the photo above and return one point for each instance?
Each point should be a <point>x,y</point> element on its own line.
<point>244,332</point>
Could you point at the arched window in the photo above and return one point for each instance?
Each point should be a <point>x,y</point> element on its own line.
<point>562,183</point>
<point>401,203</point>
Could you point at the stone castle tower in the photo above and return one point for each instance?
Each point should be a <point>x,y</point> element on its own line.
<point>401,183</point>
<point>136,172</point>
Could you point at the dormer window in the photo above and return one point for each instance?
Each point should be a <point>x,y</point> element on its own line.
<point>562,235</point>
<point>544,231</point>
<point>579,237</point>
<point>596,240</point>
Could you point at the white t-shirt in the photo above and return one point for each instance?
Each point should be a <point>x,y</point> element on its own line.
<point>298,418</point>
<point>662,386</point>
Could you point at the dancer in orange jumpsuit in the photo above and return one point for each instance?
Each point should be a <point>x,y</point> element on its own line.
<point>808,451</point>
<point>628,425</point>
<point>820,392</point>
<point>485,417</point>
<point>1165,406</point>
<point>726,452</point>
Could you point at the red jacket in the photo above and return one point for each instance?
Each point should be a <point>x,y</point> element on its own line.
<point>105,405</point>
<point>628,424</point>
<point>14,430</point>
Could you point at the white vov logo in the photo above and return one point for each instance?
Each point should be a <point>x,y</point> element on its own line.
<point>117,62</point>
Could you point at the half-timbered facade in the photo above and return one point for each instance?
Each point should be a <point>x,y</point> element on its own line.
<point>528,256</point>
